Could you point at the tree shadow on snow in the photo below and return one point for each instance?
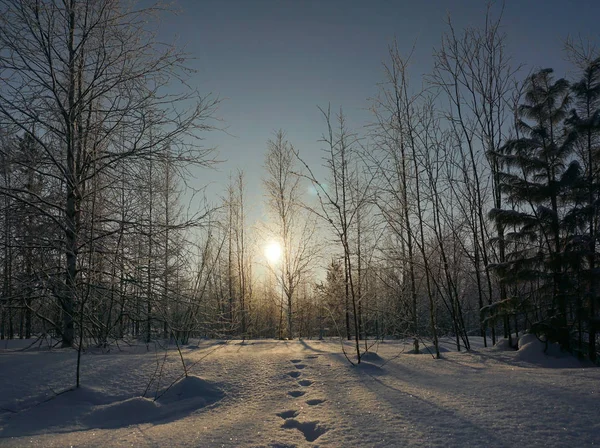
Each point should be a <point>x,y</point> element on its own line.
<point>418,412</point>
<point>309,347</point>
<point>372,365</point>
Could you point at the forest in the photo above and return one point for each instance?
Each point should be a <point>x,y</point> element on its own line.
<point>467,206</point>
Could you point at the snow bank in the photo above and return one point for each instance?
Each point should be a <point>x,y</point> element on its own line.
<point>63,410</point>
<point>94,408</point>
<point>188,394</point>
<point>191,388</point>
<point>534,351</point>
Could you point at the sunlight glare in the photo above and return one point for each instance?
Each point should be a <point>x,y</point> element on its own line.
<point>273,252</point>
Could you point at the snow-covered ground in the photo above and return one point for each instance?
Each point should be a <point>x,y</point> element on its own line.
<point>300,393</point>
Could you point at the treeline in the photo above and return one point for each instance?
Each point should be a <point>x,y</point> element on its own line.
<point>94,144</point>
<point>468,206</point>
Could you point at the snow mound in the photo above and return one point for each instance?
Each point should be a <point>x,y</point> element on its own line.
<point>64,409</point>
<point>186,395</point>
<point>534,351</point>
<point>77,397</point>
<point>87,407</point>
<point>529,339</point>
<point>191,387</point>
<point>123,413</point>
<point>371,356</point>
<point>65,399</point>
<point>502,345</point>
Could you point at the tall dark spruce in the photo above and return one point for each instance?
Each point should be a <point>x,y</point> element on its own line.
<point>584,216</point>
<point>537,173</point>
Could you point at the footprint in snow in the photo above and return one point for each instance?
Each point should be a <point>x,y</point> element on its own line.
<point>300,366</point>
<point>311,430</point>
<point>296,393</point>
<point>305,382</point>
<point>287,414</point>
<point>295,361</point>
<point>314,401</point>
<point>294,374</point>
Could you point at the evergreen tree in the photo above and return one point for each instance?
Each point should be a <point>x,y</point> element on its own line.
<point>538,170</point>
<point>585,122</point>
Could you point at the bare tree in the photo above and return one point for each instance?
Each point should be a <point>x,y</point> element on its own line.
<point>340,202</point>
<point>398,132</point>
<point>239,266</point>
<point>292,230</point>
<point>81,73</point>
<point>475,75</point>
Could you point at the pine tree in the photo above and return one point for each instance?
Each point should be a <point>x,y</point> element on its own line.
<point>585,122</point>
<point>537,172</point>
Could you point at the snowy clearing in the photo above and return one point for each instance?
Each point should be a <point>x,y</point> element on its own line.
<point>268,393</point>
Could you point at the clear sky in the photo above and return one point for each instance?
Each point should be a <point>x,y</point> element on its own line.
<point>274,61</point>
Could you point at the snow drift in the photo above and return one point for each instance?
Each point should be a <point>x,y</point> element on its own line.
<point>87,407</point>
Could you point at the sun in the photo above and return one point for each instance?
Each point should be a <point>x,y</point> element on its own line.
<point>273,252</point>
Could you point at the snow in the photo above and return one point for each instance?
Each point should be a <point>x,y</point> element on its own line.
<point>532,350</point>
<point>372,357</point>
<point>127,412</point>
<point>503,345</point>
<point>268,393</point>
<point>191,388</point>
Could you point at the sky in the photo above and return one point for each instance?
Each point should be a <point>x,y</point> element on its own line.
<point>272,62</point>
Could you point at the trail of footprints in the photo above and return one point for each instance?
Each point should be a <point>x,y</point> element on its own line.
<point>311,430</point>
